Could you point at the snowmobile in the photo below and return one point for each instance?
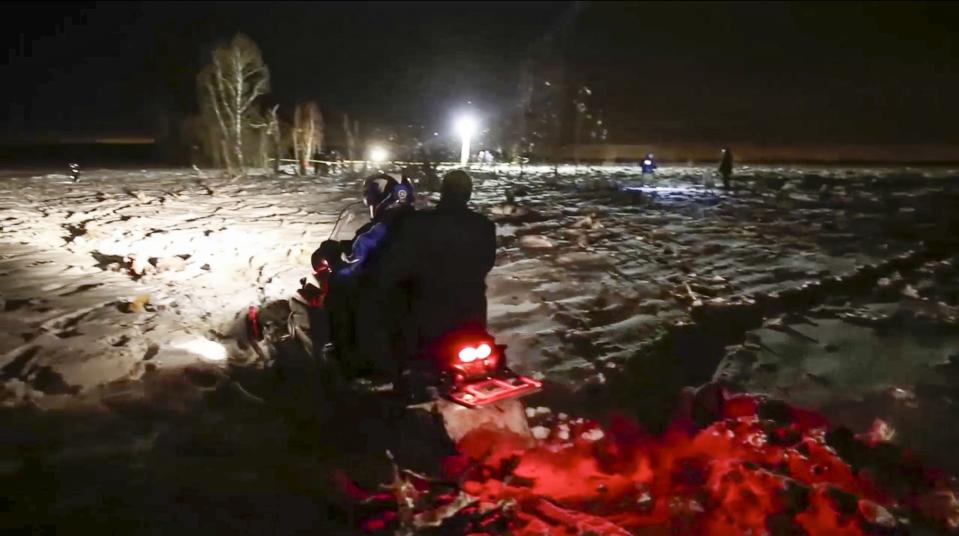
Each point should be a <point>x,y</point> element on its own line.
<point>464,378</point>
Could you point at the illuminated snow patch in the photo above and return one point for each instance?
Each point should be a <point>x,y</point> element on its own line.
<point>206,349</point>
<point>661,189</point>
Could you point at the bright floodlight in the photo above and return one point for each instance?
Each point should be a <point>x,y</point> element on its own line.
<point>465,127</point>
<point>379,154</point>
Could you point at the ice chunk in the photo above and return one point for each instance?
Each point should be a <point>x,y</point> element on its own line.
<point>540,432</point>
<point>593,435</point>
<point>536,242</point>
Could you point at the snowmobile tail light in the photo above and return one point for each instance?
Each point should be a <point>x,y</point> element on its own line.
<point>468,354</point>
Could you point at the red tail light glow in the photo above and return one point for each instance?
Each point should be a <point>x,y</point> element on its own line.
<point>468,354</point>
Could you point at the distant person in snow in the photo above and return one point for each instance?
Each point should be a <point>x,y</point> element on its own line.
<point>320,167</point>
<point>726,166</point>
<point>649,164</point>
<point>486,157</point>
<point>440,259</point>
<point>75,172</point>
<point>429,179</point>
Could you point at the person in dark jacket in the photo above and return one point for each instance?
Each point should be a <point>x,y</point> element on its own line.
<point>726,166</point>
<point>440,258</point>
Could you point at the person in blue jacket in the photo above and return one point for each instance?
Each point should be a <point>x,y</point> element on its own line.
<point>354,302</point>
<point>649,164</point>
<point>388,201</point>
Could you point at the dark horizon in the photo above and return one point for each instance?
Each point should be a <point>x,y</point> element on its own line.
<point>784,73</point>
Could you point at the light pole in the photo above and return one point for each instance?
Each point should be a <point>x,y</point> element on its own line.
<point>465,126</point>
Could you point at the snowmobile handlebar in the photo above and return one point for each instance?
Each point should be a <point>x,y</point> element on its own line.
<point>332,252</point>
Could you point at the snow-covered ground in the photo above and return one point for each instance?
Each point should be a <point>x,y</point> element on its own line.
<point>134,270</point>
<point>127,277</point>
<point>128,271</point>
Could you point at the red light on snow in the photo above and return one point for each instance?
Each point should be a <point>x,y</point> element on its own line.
<point>741,474</point>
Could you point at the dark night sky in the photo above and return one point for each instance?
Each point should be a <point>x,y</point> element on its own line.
<point>783,72</point>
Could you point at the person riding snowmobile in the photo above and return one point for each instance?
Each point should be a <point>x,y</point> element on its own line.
<point>388,200</point>
<point>343,271</point>
<point>440,258</point>
<point>415,310</point>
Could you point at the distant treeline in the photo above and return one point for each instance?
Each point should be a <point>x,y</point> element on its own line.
<point>86,154</point>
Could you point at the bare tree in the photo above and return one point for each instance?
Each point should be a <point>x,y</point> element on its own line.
<point>319,134</point>
<point>268,138</point>
<point>228,86</point>
<point>352,131</point>
<point>581,114</point>
<point>307,133</point>
<point>273,130</point>
<point>519,140</point>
